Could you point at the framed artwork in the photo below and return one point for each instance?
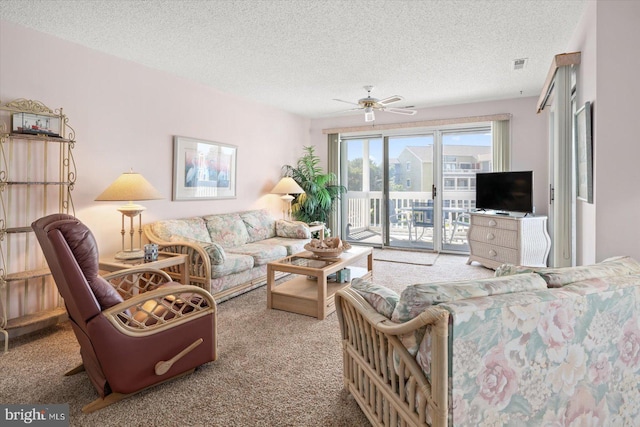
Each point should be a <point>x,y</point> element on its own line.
<point>584,154</point>
<point>203,169</point>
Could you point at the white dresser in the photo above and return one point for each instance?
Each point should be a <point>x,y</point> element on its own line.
<point>499,239</point>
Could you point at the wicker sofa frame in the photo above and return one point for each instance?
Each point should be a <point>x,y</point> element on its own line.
<point>390,396</point>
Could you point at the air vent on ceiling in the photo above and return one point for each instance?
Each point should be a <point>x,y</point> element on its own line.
<point>519,64</point>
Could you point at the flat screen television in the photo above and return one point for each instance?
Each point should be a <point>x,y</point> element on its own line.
<point>505,191</point>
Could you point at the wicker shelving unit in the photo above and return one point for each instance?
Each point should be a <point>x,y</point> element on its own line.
<point>37,175</point>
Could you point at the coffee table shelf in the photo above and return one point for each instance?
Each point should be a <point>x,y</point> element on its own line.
<point>312,296</point>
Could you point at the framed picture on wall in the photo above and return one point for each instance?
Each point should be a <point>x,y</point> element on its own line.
<point>584,153</point>
<point>203,169</point>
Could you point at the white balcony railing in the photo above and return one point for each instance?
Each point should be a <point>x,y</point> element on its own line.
<point>364,211</point>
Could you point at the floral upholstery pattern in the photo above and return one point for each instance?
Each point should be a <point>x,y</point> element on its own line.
<point>216,253</point>
<point>382,299</point>
<point>557,277</point>
<point>230,281</point>
<point>557,357</point>
<point>292,229</point>
<point>193,228</point>
<point>260,225</point>
<point>214,250</point>
<point>293,246</point>
<point>238,244</point>
<point>228,230</point>
<point>234,263</point>
<point>261,253</point>
<point>416,298</point>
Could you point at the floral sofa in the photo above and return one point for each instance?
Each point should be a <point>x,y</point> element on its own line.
<point>543,347</point>
<point>228,253</point>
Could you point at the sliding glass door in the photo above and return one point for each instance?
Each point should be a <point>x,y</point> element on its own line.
<point>410,182</point>
<point>413,191</point>
<point>464,153</point>
<point>362,173</point>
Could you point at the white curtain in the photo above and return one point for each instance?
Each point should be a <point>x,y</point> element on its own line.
<point>501,131</point>
<point>334,167</point>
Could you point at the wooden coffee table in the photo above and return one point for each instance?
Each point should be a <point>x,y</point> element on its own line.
<point>307,291</point>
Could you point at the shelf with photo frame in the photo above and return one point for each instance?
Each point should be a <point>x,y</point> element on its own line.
<point>37,176</point>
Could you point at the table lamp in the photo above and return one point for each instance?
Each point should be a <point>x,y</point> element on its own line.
<point>128,187</point>
<point>287,186</point>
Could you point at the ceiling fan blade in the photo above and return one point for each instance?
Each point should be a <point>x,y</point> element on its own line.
<point>405,111</point>
<point>348,102</point>
<point>390,100</point>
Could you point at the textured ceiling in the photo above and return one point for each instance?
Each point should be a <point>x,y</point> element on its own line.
<point>300,55</point>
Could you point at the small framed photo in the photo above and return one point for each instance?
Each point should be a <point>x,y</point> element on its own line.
<point>203,169</point>
<point>35,124</point>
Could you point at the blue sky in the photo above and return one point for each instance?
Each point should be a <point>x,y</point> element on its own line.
<point>397,144</point>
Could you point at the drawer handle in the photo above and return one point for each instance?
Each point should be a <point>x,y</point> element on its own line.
<point>490,236</point>
<point>492,253</point>
<point>492,223</point>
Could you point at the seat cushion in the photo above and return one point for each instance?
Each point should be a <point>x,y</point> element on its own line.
<point>228,230</point>
<point>261,253</point>
<point>233,263</point>
<point>293,246</point>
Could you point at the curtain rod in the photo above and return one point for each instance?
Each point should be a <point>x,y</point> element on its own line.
<point>422,123</point>
<point>560,60</point>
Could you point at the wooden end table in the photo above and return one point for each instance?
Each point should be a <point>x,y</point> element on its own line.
<point>165,259</point>
<point>309,292</point>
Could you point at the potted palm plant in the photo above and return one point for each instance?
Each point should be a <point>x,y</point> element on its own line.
<point>320,189</point>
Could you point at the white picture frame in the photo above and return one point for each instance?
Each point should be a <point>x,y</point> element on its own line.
<point>203,170</point>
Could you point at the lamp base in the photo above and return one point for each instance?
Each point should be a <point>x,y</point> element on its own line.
<point>132,254</point>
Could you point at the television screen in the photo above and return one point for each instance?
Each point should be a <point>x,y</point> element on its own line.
<point>505,191</point>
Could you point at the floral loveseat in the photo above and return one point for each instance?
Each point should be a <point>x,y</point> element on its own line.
<point>550,347</point>
<point>228,253</point>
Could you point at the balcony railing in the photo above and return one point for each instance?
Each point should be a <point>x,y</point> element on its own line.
<point>365,213</point>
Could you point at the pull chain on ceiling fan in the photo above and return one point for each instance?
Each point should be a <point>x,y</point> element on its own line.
<point>369,105</point>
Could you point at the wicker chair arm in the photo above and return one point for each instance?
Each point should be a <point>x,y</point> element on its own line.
<point>155,311</point>
<point>136,280</point>
<point>198,262</point>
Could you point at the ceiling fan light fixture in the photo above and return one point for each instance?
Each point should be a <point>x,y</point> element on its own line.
<point>368,115</point>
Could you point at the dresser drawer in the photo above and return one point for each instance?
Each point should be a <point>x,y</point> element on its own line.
<point>494,236</point>
<point>494,222</point>
<point>494,253</point>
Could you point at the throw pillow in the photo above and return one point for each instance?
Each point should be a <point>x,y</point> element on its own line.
<point>382,299</point>
<point>292,229</point>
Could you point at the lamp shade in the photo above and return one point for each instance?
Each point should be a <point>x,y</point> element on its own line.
<point>287,186</point>
<point>129,186</point>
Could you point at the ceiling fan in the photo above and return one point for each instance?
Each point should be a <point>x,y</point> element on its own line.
<point>369,105</point>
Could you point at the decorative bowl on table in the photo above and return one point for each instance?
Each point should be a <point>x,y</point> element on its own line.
<point>328,248</point>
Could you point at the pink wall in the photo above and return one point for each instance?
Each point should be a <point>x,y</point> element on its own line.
<point>125,116</point>
<point>616,144</point>
<point>608,36</point>
<point>584,41</point>
<point>528,133</point>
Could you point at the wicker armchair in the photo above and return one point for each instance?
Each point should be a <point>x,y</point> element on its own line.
<point>385,380</point>
<point>136,328</point>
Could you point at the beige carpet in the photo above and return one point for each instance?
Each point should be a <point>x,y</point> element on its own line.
<point>275,368</point>
<point>405,257</point>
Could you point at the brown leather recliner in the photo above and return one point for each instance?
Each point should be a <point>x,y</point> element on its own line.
<point>136,328</point>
